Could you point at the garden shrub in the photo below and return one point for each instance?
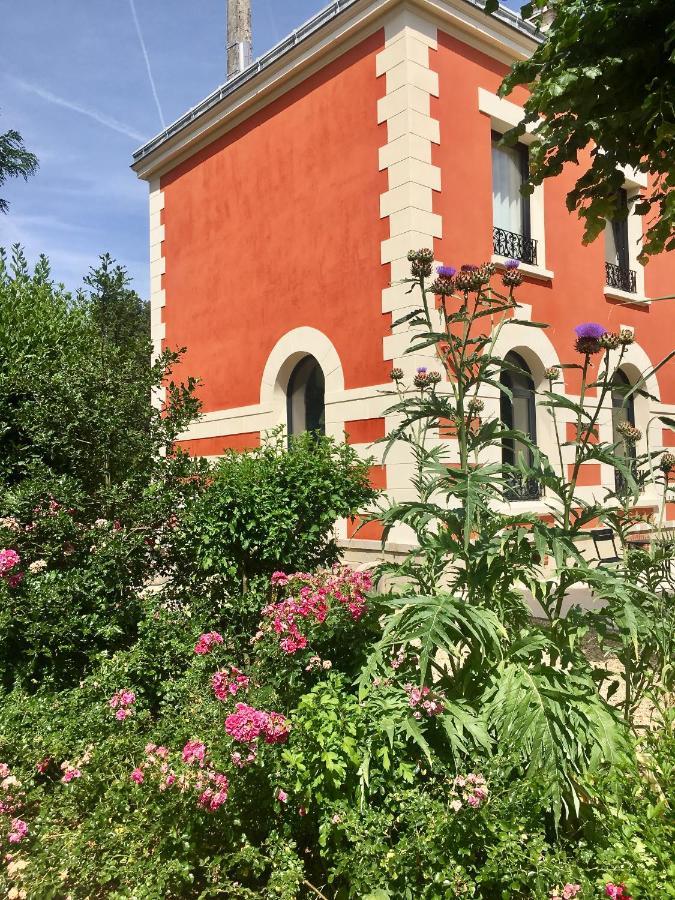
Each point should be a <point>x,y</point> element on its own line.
<point>270,508</point>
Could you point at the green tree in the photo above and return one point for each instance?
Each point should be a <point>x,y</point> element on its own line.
<point>603,78</point>
<point>76,380</point>
<point>15,161</point>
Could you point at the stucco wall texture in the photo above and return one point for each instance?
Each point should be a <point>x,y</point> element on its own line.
<point>276,225</point>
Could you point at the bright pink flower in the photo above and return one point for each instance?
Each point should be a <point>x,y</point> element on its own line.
<point>570,891</point>
<point>276,729</point>
<point>228,684</point>
<point>123,714</point>
<point>617,891</point>
<point>137,776</point>
<point>246,723</point>
<point>279,578</point>
<point>4,770</point>
<point>18,832</point>
<point>122,700</point>
<point>8,560</point>
<point>70,774</point>
<point>282,796</point>
<point>194,752</point>
<point>43,765</point>
<point>207,642</point>
<point>170,779</point>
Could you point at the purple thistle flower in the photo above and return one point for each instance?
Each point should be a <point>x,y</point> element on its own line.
<point>590,330</point>
<point>446,271</point>
<point>512,264</point>
<point>422,370</point>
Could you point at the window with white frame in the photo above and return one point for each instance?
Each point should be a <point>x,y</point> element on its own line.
<point>619,273</point>
<point>512,233</point>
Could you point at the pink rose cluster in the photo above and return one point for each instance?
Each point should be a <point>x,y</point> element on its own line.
<point>70,773</point>
<point>210,786</point>
<point>247,724</point>
<point>9,560</point>
<point>18,831</point>
<point>312,599</point>
<point>11,800</point>
<point>568,892</point>
<point>228,683</point>
<point>207,642</point>
<point>122,701</point>
<point>468,789</point>
<point>617,891</point>
<point>422,701</point>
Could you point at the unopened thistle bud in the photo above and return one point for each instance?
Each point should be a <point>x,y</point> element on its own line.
<point>552,374</point>
<point>626,337</point>
<point>421,262</point>
<point>667,463</point>
<point>629,432</point>
<point>433,377</point>
<point>476,406</point>
<point>610,340</point>
<point>396,374</point>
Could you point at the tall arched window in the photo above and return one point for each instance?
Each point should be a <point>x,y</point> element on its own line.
<point>623,410</point>
<point>519,412</point>
<point>305,398</point>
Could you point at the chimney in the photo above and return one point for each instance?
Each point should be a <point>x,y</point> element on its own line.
<point>239,36</point>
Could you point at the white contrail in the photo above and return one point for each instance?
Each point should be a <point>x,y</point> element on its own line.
<point>147,62</point>
<point>94,114</point>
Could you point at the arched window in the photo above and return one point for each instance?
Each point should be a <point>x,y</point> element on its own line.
<point>519,412</point>
<point>623,410</point>
<point>305,398</point>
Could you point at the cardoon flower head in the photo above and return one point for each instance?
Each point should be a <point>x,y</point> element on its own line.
<point>667,463</point>
<point>629,432</point>
<point>626,337</point>
<point>588,337</point>
<point>444,284</point>
<point>396,374</point>
<point>421,262</point>
<point>512,264</point>
<point>610,341</point>
<point>446,271</point>
<point>476,406</point>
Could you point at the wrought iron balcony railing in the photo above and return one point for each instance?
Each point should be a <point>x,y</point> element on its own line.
<point>621,278</point>
<point>514,246</point>
<point>519,488</point>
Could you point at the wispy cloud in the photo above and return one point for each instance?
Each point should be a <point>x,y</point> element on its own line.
<point>94,114</point>
<point>147,62</point>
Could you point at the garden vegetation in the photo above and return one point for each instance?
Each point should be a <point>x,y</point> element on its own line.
<point>199,699</point>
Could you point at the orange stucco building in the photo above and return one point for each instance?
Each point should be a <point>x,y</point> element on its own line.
<point>283,206</point>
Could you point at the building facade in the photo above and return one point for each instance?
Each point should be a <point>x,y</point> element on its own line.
<point>282,209</point>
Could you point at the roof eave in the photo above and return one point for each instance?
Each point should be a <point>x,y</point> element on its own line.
<point>514,36</point>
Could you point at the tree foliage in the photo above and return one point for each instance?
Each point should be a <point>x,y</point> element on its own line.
<point>603,79</point>
<point>76,379</point>
<point>15,161</point>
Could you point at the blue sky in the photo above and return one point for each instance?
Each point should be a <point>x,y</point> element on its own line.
<point>74,81</point>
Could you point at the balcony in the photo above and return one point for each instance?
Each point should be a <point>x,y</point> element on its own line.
<point>621,278</point>
<point>514,246</point>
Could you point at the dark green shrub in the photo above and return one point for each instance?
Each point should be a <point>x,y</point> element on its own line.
<point>268,509</point>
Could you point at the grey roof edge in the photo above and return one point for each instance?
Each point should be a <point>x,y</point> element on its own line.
<point>322,18</point>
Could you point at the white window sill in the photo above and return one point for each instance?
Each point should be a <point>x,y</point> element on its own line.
<point>537,272</point>
<point>626,297</point>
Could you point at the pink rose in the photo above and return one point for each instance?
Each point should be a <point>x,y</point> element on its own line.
<point>137,776</point>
